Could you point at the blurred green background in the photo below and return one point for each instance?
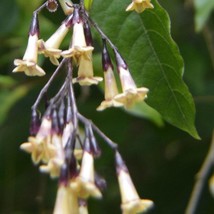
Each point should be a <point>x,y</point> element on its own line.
<point>162,161</point>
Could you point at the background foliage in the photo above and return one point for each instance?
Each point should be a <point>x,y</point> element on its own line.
<point>163,160</point>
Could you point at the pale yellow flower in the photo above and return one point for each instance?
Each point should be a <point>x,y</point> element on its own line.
<point>57,158</point>
<point>131,202</point>
<point>85,71</point>
<point>78,46</point>
<point>28,64</point>
<point>40,146</point>
<point>110,91</point>
<point>131,94</point>
<point>66,6</point>
<point>140,5</point>
<point>83,208</point>
<point>50,48</point>
<point>66,201</point>
<point>84,184</point>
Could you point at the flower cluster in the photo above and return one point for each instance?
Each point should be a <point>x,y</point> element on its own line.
<point>56,144</point>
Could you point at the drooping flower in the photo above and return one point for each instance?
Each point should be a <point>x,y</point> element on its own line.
<point>84,184</point>
<point>39,146</point>
<point>83,208</point>
<point>85,71</point>
<point>28,64</point>
<point>55,162</point>
<point>78,45</point>
<point>140,5</point>
<point>131,94</point>
<point>50,48</point>
<point>131,202</point>
<point>66,6</point>
<point>66,199</point>
<point>111,89</point>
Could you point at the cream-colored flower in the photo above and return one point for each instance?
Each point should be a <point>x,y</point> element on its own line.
<point>140,5</point>
<point>131,94</point>
<point>40,146</point>
<point>83,208</point>
<point>50,48</point>
<point>29,62</point>
<point>78,46</point>
<point>131,202</point>
<point>57,158</point>
<point>84,185</point>
<point>85,71</point>
<point>110,91</point>
<point>66,6</point>
<point>66,201</point>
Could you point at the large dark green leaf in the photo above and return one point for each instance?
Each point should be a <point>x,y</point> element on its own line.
<point>153,57</point>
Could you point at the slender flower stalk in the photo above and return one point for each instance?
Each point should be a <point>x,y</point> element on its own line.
<point>28,64</point>
<point>56,141</point>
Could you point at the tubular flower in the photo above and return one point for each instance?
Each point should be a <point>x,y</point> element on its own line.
<point>39,146</point>
<point>110,83</point>
<point>83,208</point>
<point>131,203</point>
<point>66,6</point>
<point>50,48</point>
<point>84,184</point>
<point>29,62</point>
<point>140,5</point>
<point>131,93</point>
<point>85,71</point>
<point>66,201</point>
<point>78,45</point>
<point>55,162</point>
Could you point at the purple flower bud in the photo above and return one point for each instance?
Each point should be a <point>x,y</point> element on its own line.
<point>64,174</point>
<point>100,182</point>
<point>94,145</point>
<point>35,123</point>
<point>120,164</point>
<point>34,27</point>
<point>55,122</point>
<point>76,16</point>
<point>62,115</point>
<point>88,36</point>
<point>106,59</point>
<point>120,61</point>
<point>69,21</point>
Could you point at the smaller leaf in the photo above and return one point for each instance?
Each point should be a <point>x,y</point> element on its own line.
<point>203,10</point>
<point>6,81</point>
<point>88,4</point>
<point>141,109</point>
<point>9,97</point>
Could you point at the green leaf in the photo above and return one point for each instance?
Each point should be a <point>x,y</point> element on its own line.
<point>8,15</point>
<point>153,58</point>
<point>88,4</point>
<point>9,97</point>
<point>141,109</point>
<point>203,10</point>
